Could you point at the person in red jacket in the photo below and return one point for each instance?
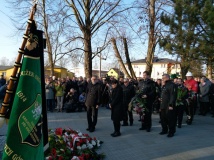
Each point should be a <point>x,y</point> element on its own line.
<point>192,87</point>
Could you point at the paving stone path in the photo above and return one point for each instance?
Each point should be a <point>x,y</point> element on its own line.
<point>195,142</point>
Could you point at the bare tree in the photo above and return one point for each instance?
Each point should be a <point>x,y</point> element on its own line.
<point>90,16</point>
<point>119,59</point>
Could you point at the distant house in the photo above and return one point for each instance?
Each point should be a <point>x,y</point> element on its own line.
<point>79,71</point>
<point>6,71</point>
<point>115,72</point>
<point>160,66</point>
<point>59,72</point>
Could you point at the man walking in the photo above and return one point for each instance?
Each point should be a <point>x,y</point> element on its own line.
<point>93,99</point>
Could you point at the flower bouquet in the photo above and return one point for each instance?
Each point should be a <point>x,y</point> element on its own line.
<point>181,93</point>
<point>138,104</point>
<point>68,144</point>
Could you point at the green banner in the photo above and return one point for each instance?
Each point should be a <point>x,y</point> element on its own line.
<point>24,136</point>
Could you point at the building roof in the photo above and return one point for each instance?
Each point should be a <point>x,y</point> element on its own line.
<point>56,66</point>
<point>2,68</point>
<point>155,60</point>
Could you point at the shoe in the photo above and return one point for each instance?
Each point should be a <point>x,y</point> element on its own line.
<point>148,130</point>
<point>92,130</point>
<point>87,129</point>
<point>170,135</point>
<point>58,111</point>
<point>125,124</point>
<point>131,123</point>
<point>179,126</point>
<point>113,133</point>
<point>142,128</point>
<point>189,122</point>
<point>160,121</point>
<point>163,132</point>
<point>116,134</point>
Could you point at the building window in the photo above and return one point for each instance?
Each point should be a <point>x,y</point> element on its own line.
<point>163,65</point>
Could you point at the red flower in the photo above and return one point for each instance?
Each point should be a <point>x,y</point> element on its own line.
<point>50,158</point>
<point>58,131</point>
<point>95,138</point>
<point>81,158</point>
<point>78,144</point>
<point>60,158</point>
<point>53,151</point>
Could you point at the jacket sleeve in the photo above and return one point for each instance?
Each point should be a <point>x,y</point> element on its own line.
<point>99,94</point>
<point>206,92</point>
<point>173,95</point>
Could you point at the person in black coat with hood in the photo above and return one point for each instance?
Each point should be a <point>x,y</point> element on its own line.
<point>116,106</point>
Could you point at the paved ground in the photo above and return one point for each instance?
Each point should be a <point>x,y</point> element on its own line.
<point>190,142</point>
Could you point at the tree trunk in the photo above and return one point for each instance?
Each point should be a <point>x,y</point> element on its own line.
<point>128,59</point>
<point>152,38</point>
<point>184,67</point>
<point>88,55</point>
<point>209,68</point>
<point>48,42</point>
<point>117,55</point>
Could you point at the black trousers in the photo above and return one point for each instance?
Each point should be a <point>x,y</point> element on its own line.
<point>190,111</point>
<point>127,115</point>
<point>147,119</point>
<point>204,107</point>
<point>116,126</point>
<point>179,113</point>
<point>168,120</point>
<point>92,113</point>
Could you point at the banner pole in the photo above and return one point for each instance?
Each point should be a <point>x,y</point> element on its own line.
<point>10,87</point>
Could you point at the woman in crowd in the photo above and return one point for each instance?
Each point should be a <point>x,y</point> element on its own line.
<point>59,95</point>
<point>116,106</point>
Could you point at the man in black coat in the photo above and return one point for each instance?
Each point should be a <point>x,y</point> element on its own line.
<point>212,97</point>
<point>93,100</point>
<point>128,94</point>
<point>167,106</point>
<point>116,106</point>
<point>147,89</point>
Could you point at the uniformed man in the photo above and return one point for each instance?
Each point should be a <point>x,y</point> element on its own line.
<point>192,87</point>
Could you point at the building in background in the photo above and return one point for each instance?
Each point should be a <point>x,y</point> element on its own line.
<point>160,66</point>
<point>59,72</point>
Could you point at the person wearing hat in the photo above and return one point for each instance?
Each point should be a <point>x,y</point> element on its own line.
<point>116,106</point>
<point>192,87</point>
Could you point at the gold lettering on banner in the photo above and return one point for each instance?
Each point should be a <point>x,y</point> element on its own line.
<point>31,74</point>
<point>17,157</point>
<point>7,150</point>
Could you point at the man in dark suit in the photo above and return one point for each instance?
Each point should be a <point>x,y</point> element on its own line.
<point>167,106</point>
<point>93,100</point>
<point>128,94</point>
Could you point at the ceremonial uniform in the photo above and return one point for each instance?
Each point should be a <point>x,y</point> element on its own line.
<point>192,87</point>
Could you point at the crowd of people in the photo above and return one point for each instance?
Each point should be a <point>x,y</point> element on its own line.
<point>170,98</point>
